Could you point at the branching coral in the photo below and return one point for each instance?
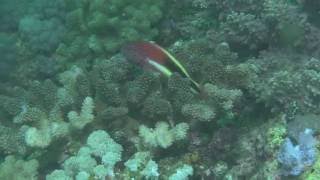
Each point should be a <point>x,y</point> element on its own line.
<point>163,136</point>
<point>99,145</point>
<point>11,141</point>
<point>15,168</point>
<point>142,165</point>
<point>182,173</point>
<point>200,112</point>
<point>52,126</point>
<point>79,120</point>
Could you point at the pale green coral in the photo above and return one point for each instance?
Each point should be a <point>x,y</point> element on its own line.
<point>162,135</point>
<point>68,78</point>
<point>17,169</point>
<point>141,165</point>
<point>182,173</point>
<point>66,94</point>
<point>58,175</point>
<point>49,128</point>
<point>53,126</point>
<point>83,165</point>
<point>79,120</point>
<point>151,170</point>
<point>137,160</point>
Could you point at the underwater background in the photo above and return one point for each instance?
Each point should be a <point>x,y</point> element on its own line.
<point>159,89</point>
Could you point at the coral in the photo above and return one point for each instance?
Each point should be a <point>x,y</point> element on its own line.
<point>52,126</point>
<point>199,112</point>
<point>82,162</point>
<point>42,95</point>
<point>162,136</point>
<point>156,107</point>
<point>291,27</point>
<point>41,30</point>
<point>68,78</point>
<point>245,29</point>
<point>100,142</point>
<point>79,120</point>
<point>240,76</point>
<point>220,142</point>
<point>29,115</point>
<point>9,105</point>
<point>56,9</point>
<point>182,173</point>
<point>225,100</point>
<point>116,69</point>
<point>238,5</point>
<point>276,135</point>
<point>254,158</point>
<point>64,97</point>
<point>103,146</point>
<point>99,145</point>
<point>141,165</point>
<point>151,170</point>
<point>137,160</point>
<point>43,136</point>
<point>109,91</point>
<point>222,95</point>
<point>179,91</point>
<point>314,172</point>
<point>83,85</point>
<point>300,122</point>
<point>293,88</point>
<point>113,113</point>
<point>41,35</point>
<point>62,76</point>
<point>106,30</point>
<point>57,175</point>
<point>268,171</point>
<point>11,141</point>
<point>139,88</point>
<point>15,168</point>
<point>220,169</point>
<point>294,159</point>
<point>108,73</point>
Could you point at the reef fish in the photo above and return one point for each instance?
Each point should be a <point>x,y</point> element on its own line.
<point>149,55</point>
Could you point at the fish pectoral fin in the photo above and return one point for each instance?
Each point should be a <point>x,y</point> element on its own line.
<point>164,70</point>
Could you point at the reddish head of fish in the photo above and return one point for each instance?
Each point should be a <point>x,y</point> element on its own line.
<point>142,52</point>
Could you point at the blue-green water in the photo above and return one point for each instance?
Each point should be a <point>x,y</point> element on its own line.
<point>151,89</point>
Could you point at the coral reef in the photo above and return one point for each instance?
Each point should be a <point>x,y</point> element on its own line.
<point>72,106</point>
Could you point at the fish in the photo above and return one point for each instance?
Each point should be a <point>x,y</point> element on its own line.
<point>150,55</point>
